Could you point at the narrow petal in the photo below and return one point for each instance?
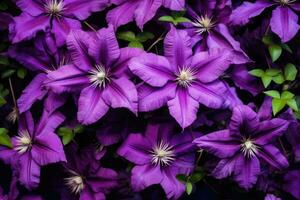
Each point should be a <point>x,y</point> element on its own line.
<point>246,171</point>
<point>33,92</point>
<point>152,98</point>
<point>105,49</point>
<point>91,106</point>
<point>284,23</point>
<point>26,123</point>
<point>103,180</point>
<point>224,168</point>
<point>121,93</point>
<point>209,94</point>
<point>242,14</point>
<point>145,11</point>
<point>177,47</point>
<point>67,78</point>
<point>291,183</point>
<point>220,143</point>
<point>78,44</point>
<point>32,7</point>
<point>172,187</point>
<point>61,28</point>
<point>26,27</point>
<point>273,156</point>
<point>151,68</point>
<point>136,149</point>
<point>48,122</point>
<point>54,101</point>
<point>183,108</point>
<point>82,9</point>
<point>174,4</point>
<point>29,171</point>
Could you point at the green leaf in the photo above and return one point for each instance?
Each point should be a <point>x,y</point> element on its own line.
<point>166,19</point>
<point>279,79</point>
<point>182,178</point>
<point>66,134</point>
<point>7,73</point>
<point>189,188</point>
<point>4,138</point>
<point>287,48</point>
<point>297,114</point>
<point>3,6</point>
<point>144,36</point>
<point>177,14</point>
<point>21,73</point>
<point>292,104</point>
<point>275,51</point>
<point>290,72</point>
<point>136,44</point>
<point>273,93</point>
<point>266,80</point>
<point>78,129</point>
<point>267,40</point>
<point>4,61</point>
<point>257,72</point>
<point>287,95</point>
<point>127,36</point>
<point>272,72</point>
<point>182,20</point>
<point>278,105</point>
<point>2,101</point>
<point>196,177</point>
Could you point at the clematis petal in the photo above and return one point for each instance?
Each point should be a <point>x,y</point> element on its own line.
<point>32,7</point>
<point>54,101</point>
<point>284,23</point>
<point>174,4</point>
<point>26,27</point>
<point>91,106</point>
<point>183,108</point>
<point>33,92</point>
<point>152,98</point>
<point>273,156</point>
<point>222,143</point>
<point>177,48</point>
<point>26,122</point>
<point>102,180</point>
<point>48,122</point>
<point>224,168</point>
<point>29,171</point>
<point>151,68</point>
<point>121,93</point>
<point>172,187</point>
<point>145,11</point>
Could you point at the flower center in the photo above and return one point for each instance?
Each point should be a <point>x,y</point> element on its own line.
<point>162,154</point>
<point>75,182</point>
<point>203,24</point>
<point>23,142</point>
<point>185,77</point>
<point>99,76</point>
<point>249,148</point>
<point>285,2</point>
<point>54,7</point>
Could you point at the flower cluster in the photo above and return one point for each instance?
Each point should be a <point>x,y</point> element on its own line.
<point>149,99</point>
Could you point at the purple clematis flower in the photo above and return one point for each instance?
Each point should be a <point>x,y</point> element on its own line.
<point>159,155</point>
<point>37,145</point>
<point>181,79</point>
<point>85,177</point>
<point>60,16</point>
<point>139,10</point>
<point>100,70</point>
<point>284,20</point>
<point>42,58</point>
<point>208,28</point>
<point>244,144</point>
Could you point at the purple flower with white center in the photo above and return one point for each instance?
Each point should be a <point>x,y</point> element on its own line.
<point>140,11</point>
<point>60,16</point>
<point>284,20</point>
<point>159,155</point>
<point>245,143</point>
<point>36,145</point>
<point>84,175</point>
<point>208,29</point>
<point>42,58</point>
<point>100,71</point>
<point>181,79</point>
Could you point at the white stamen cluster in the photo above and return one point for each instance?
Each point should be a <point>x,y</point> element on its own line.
<point>285,2</point>
<point>99,76</point>
<point>23,142</point>
<point>75,182</point>
<point>54,7</point>
<point>203,24</point>
<point>185,77</point>
<point>249,148</point>
<point>162,154</point>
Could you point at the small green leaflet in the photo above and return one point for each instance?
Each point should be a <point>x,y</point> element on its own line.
<point>4,138</point>
<point>135,41</point>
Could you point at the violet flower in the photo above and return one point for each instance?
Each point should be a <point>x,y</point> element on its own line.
<point>60,16</point>
<point>181,79</point>
<point>243,146</point>
<point>99,69</point>
<point>159,155</point>
<point>141,11</point>
<point>85,177</point>
<point>209,30</point>
<point>42,58</point>
<point>36,145</point>
<point>284,20</point>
